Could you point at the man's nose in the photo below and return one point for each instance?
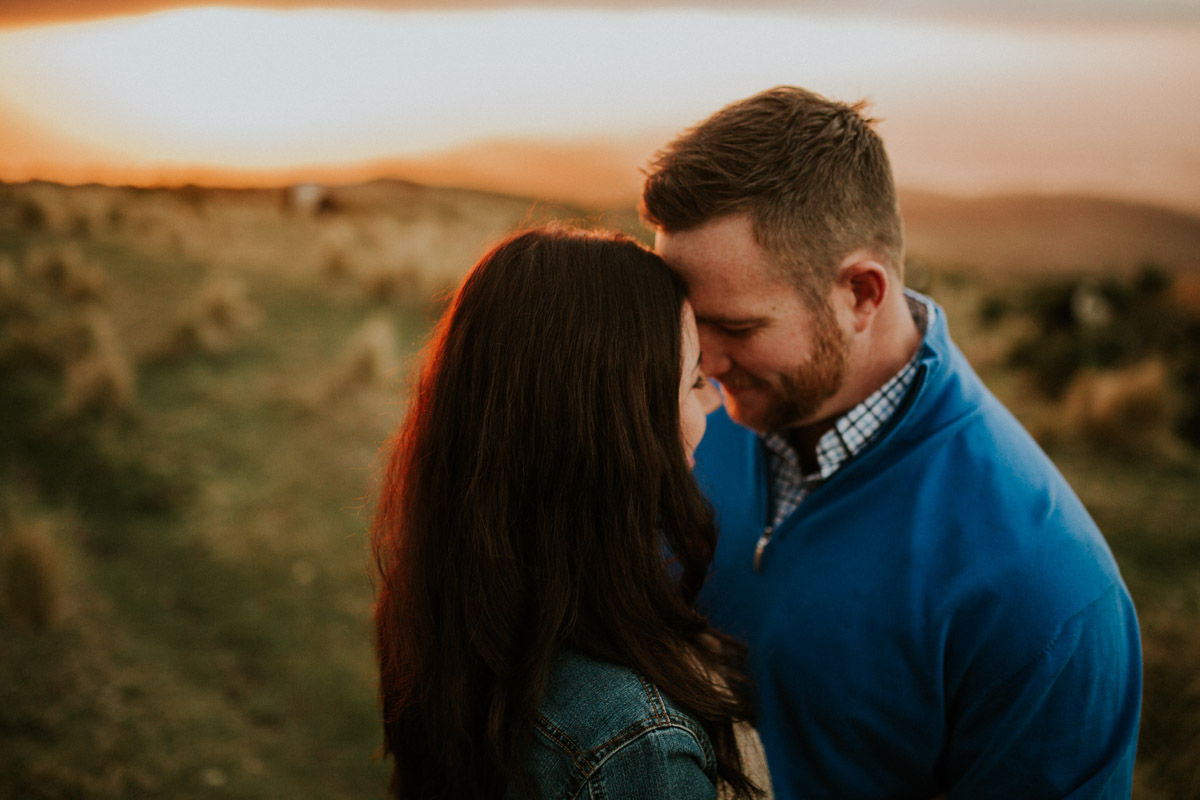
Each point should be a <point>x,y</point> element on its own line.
<point>713,360</point>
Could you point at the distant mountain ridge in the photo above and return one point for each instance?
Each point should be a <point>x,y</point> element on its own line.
<point>1047,233</point>
<point>1013,233</point>
<point>1024,234</point>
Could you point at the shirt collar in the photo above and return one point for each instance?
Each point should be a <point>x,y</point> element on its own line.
<point>852,431</point>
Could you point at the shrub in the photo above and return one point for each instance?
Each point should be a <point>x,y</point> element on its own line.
<point>66,383</point>
<point>1127,409</point>
<point>67,273</point>
<point>1187,376</point>
<point>1094,323</point>
<point>51,334</point>
<point>992,309</point>
<point>31,215</point>
<point>223,303</point>
<point>370,356</point>
<point>1083,328</point>
<point>385,284</point>
<point>31,576</point>
<point>336,266</point>
<point>1169,751</point>
<point>98,376</point>
<point>12,297</point>
<point>369,359</point>
<point>222,310</point>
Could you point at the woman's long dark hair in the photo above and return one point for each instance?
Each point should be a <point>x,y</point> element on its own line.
<point>529,498</point>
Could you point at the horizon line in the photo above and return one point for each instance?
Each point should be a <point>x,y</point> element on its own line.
<point>264,181</point>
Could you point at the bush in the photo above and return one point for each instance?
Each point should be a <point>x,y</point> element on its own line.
<point>66,272</point>
<point>66,389</point>
<point>369,359</point>
<point>1129,409</point>
<point>1170,750</point>
<point>1083,329</point>
<point>31,577</point>
<point>221,312</point>
<point>387,284</point>
<point>31,215</point>
<point>12,299</point>
<point>99,376</point>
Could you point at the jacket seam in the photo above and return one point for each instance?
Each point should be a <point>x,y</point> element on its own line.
<point>1041,655</point>
<point>635,735</point>
<point>654,698</point>
<point>560,737</point>
<point>588,763</point>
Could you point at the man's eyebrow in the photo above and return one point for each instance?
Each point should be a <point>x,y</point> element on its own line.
<point>725,320</point>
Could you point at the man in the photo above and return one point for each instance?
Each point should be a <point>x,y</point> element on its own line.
<point>928,607</point>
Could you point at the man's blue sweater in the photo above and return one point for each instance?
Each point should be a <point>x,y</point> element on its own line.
<point>940,616</point>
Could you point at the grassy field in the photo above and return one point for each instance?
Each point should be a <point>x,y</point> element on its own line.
<point>194,387</point>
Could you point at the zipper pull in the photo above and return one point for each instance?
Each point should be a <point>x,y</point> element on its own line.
<point>762,545</point>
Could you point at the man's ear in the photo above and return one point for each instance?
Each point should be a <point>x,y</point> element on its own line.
<point>863,283</point>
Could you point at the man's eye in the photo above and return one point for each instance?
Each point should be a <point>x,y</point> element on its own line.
<point>737,333</point>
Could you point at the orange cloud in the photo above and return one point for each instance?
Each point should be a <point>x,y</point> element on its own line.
<point>40,12</point>
<point>594,174</point>
<point>33,150</point>
<point>43,12</point>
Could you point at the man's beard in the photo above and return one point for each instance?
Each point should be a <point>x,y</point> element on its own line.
<point>801,393</point>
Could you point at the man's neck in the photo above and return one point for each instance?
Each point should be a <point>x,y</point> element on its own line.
<point>896,337</point>
<point>804,440</point>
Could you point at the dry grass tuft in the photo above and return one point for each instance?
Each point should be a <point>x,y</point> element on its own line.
<point>368,360</point>
<point>52,325</point>
<point>336,254</point>
<point>224,304</point>
<point>1128,409</point>
<point>385,284</point>
<point>67,273</point>
<point>30,215</point>
<point>1171,752</point>
<point>31,577</point>
<point>221,313</point>
<point>99,376</point>
<point>335,266</point>
<point>1185,293</point>
<point>11,296</point>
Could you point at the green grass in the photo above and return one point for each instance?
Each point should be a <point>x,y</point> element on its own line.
<point>215,637</point>
<point>218,645</point>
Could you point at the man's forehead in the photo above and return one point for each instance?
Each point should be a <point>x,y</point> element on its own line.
<point>730,289</point>
<point>722,298</point>
<point>717,253</point>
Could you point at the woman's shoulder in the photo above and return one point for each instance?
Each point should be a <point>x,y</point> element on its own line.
<point>595,701</point>
<point>606,724</point>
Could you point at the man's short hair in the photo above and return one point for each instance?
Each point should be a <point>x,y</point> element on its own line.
<point>811,172</point>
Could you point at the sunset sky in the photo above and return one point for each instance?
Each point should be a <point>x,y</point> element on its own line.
<point>1095,96</point>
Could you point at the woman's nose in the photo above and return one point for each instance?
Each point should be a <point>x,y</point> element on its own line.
<point>710,397</point>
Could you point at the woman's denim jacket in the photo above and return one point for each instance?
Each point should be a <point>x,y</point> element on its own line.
<point>602,731</point>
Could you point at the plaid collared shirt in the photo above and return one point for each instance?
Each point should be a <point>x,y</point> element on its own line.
<point>850,434</point>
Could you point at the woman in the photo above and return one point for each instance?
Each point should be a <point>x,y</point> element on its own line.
<point>540,541</point>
